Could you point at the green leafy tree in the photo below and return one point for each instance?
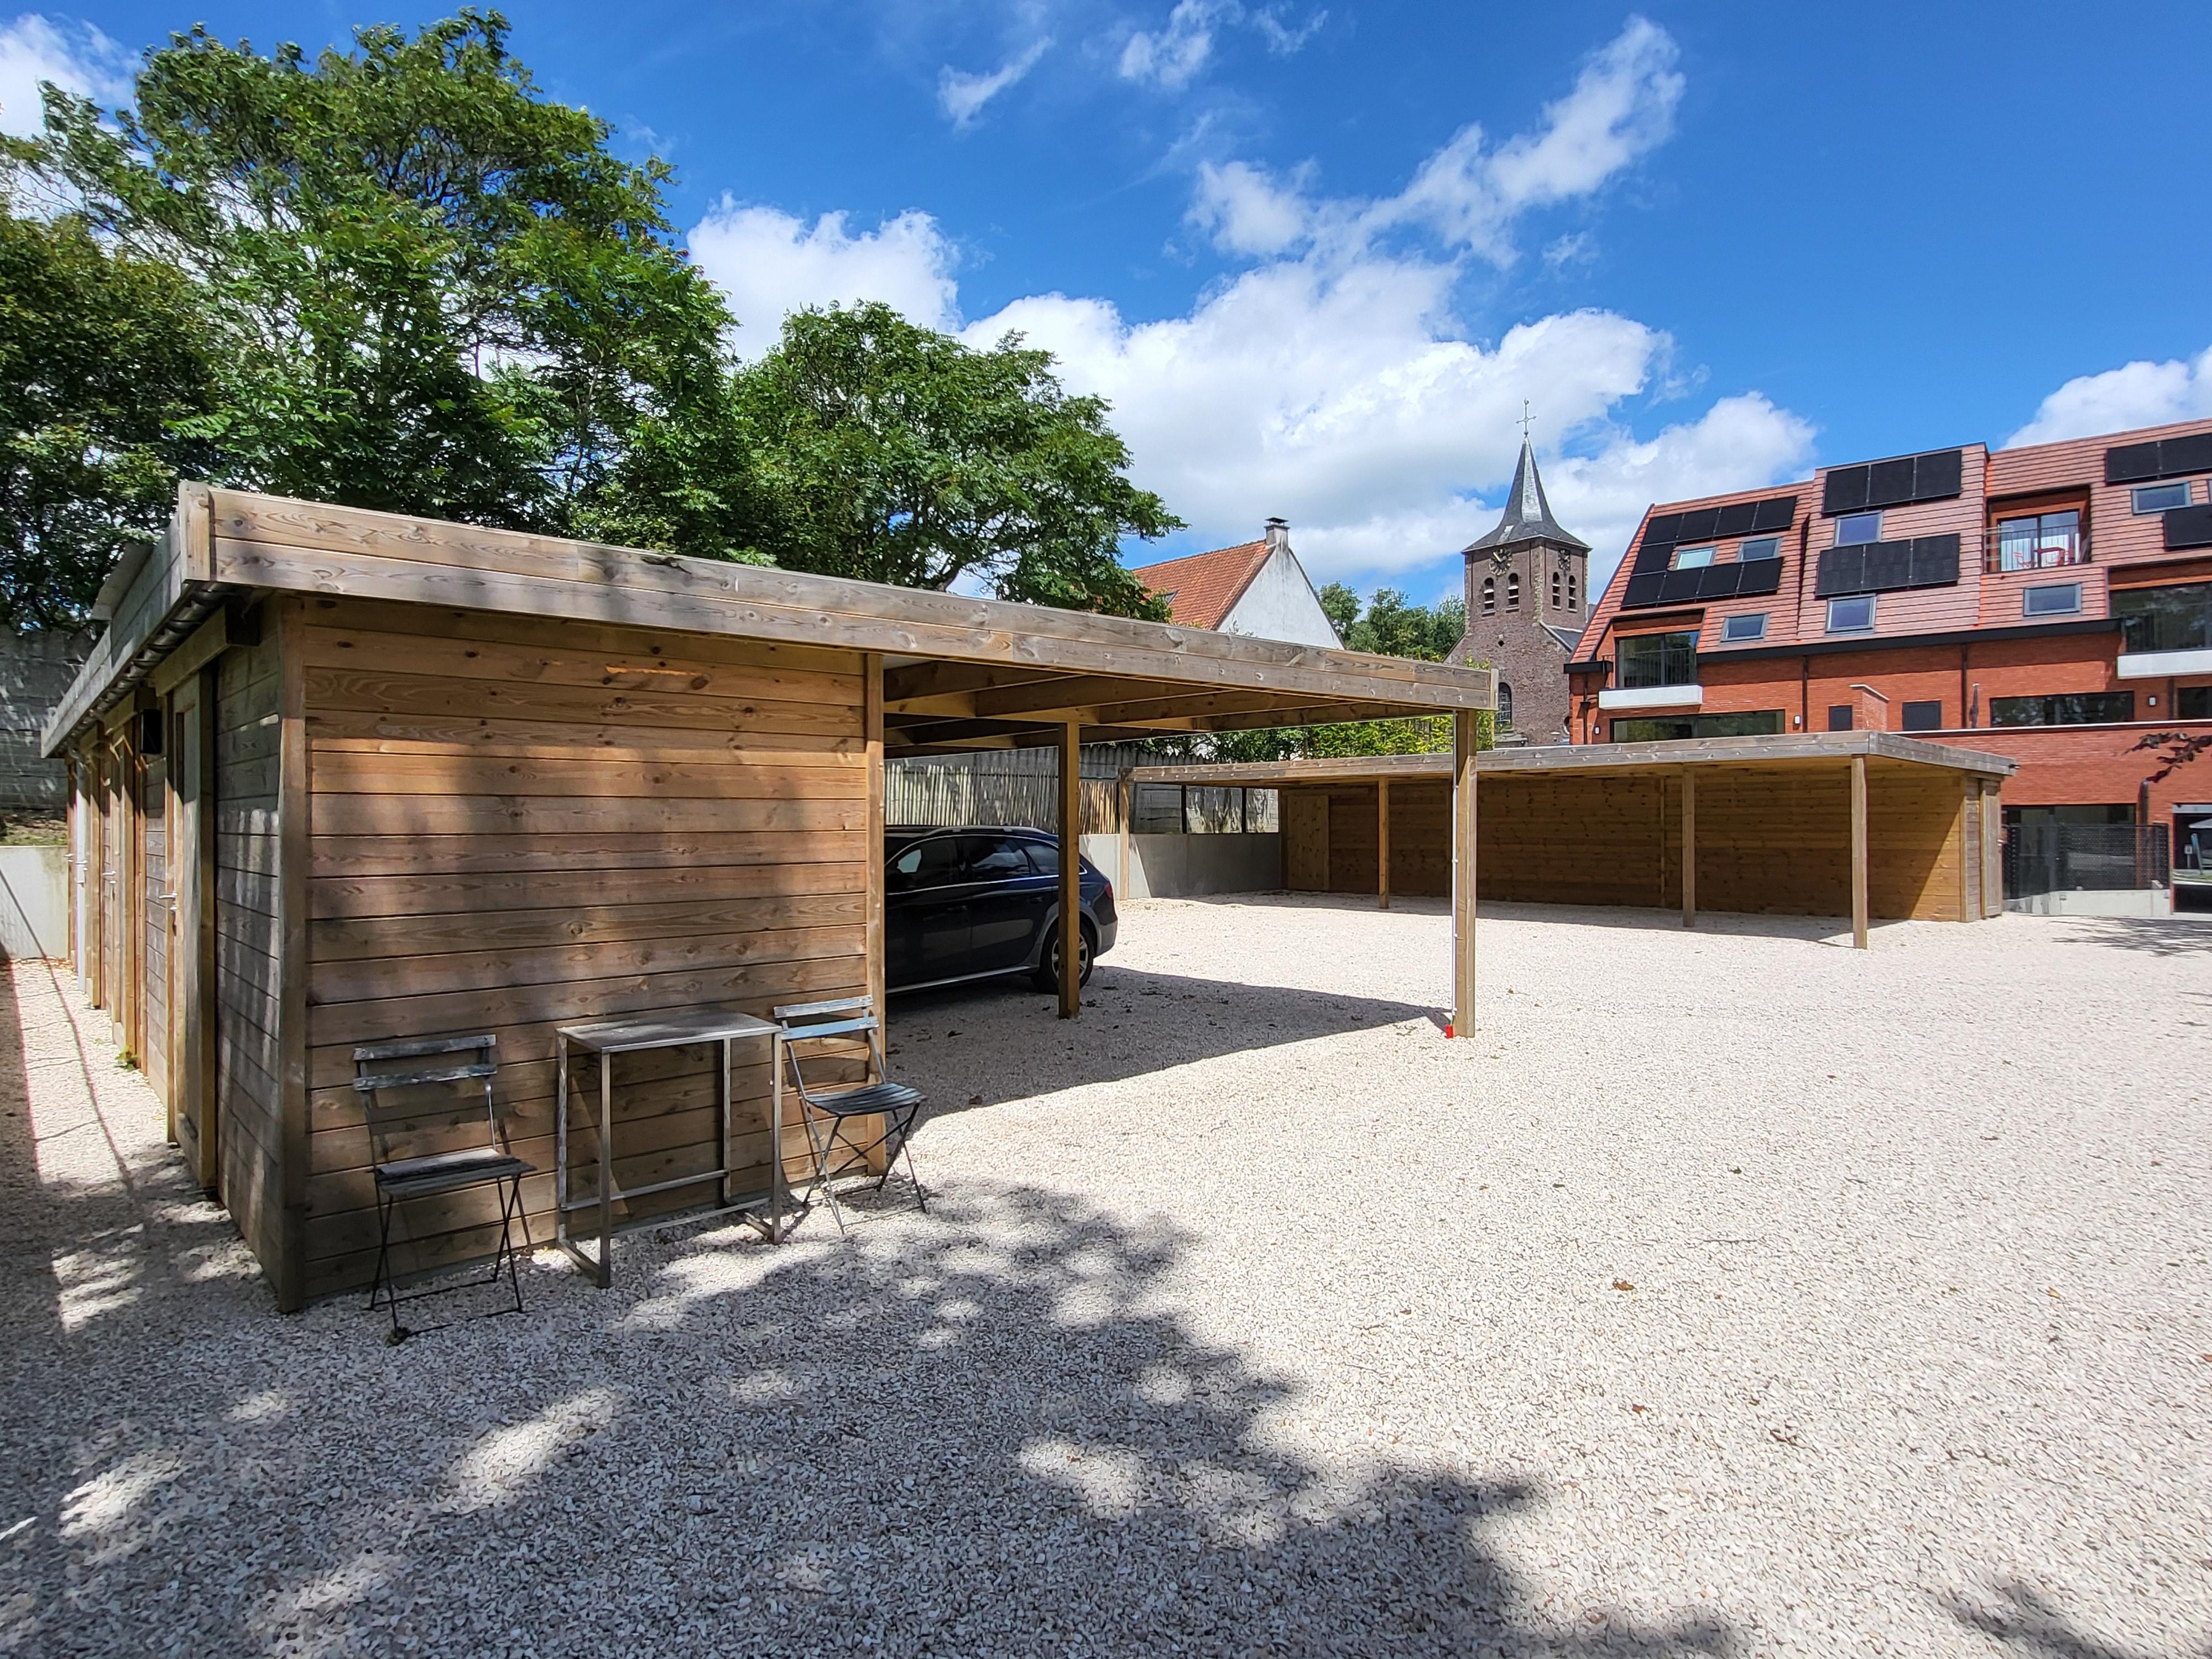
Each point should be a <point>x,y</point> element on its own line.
<point>1389,626</point>
<point>100,358</point>
<point>426,287</point>
<point>887,451</point>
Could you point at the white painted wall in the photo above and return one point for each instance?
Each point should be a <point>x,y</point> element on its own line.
<point>33,902</point>
<point>1191,867</point>
<point>1280,604</point>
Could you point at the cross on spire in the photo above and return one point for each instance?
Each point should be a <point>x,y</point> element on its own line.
<point>1526,420</point>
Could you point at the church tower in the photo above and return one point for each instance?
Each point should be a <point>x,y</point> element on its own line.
<point>1528,593</point>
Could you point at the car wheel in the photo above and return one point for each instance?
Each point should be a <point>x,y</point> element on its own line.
<point>1048,970</point>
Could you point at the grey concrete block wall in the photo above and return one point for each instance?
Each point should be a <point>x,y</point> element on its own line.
<point>33,902</point>
<point>35,670</point>
<point>1191,867</point>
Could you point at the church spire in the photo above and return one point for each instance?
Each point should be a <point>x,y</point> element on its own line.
<point>1528,516</point>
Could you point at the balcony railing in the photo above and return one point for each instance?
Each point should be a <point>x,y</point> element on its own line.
<point>2004,551</point>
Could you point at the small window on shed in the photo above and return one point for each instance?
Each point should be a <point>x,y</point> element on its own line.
<point>1924,716</point>
<point>1839,717</point>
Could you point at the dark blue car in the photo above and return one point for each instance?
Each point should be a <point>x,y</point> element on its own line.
<point>975,903</point>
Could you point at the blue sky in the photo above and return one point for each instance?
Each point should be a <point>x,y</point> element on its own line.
<point>1317,255</point>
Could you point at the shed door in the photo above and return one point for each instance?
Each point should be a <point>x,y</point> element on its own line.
<point>1305,840</point>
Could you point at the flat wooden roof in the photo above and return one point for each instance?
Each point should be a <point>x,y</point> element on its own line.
<point>1782,749</point>
<point>959,673</point>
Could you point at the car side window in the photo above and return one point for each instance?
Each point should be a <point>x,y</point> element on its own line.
<point>1044,856</point>
<point>996,860</point>
<point>932,863</point>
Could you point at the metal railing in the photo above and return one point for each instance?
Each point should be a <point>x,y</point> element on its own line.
<point>2003,555</point>
<point>2096,858</point>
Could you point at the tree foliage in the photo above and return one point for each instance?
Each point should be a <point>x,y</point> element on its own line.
<point>1388,626</point>
<point>893,453</point>
<point>100,358</point>
<point>398,276</point>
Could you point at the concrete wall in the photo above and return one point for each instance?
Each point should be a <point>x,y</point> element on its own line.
<point>35,670</point>
<point>33,901</point>
<point>1280,604</point>
<point>1190,867</point>
<point>2122,901</point>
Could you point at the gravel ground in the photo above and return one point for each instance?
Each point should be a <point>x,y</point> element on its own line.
<point>1733,1293</point>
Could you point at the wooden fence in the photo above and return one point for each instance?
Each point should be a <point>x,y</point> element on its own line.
<point>1020,787</point>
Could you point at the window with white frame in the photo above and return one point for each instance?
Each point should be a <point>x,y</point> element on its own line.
<point>1854,615</point>
<point>1692,558</point>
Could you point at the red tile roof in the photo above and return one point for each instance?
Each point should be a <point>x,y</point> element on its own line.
<point>1201,590</point>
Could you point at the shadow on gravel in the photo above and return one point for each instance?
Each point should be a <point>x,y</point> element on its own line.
<point>979,1433</point>
<point>2150,934</point>
<point>2026,1623</point>
<point>1001,1040</point>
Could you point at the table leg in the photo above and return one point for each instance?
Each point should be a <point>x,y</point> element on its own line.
<point>606,1169</point>
<point>775,1193</point>
<point>560,1140</point>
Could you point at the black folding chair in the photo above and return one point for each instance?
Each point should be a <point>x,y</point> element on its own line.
<point>842,1108</point>
<point>398,1180</point>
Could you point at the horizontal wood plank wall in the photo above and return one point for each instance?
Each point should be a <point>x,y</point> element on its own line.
<point>153,989</point>
<point>1772,840</point>
<point>249,1129</point>
<point>521,823</point>
<point>1916,838</point>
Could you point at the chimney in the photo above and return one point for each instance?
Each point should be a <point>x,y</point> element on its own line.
<point>1278,535</point>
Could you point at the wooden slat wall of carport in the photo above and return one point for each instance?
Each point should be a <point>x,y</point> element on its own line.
<point>519,823</point>
<point>1769,839</point>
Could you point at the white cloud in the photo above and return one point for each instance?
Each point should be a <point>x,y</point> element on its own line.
<point>1621,108</point>
<point>963,95</point>
<point>770,262</point>
<point>76,58</point>
<point>1172,57</point>
<point>1331,382</point>
<point>1244,212</point>
<point>2140,393</point>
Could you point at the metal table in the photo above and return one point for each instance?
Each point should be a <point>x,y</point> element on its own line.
<point>607,1039</point>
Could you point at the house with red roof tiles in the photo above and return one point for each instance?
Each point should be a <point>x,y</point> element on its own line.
<point>1256,588</point>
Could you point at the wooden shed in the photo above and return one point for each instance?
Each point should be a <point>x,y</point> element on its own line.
<point>1866,824</point>
<point>343,777</point>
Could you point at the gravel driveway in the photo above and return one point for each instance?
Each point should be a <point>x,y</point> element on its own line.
<point>1735,1293</point>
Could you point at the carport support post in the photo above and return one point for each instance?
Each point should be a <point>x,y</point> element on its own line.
<point>1071,869</point>
<point>1858,853</point>
<point>1382,843</point>
<point>1125,801</point>
<point>1462,865</point>
<point>1689,848</point>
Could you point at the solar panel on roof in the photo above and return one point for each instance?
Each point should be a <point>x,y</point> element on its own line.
<point>1937,474</point>
<point>1735,519</point>
<point>1643,590</point>
<point>2189,455</point>
<point>1663,528</point>
<point>1844,490</point>
<point>1775,512</point>
<point>1654,556</point>
<point>1889,483</point>
<point>1698,523</point>
<point>1843,570</point>
<point>1678,585</point>
<point>1934,562</point>
<point>2188,526</point>
<point>2131,463</point>
<point>1759,576</point>
<point>1888,564</point>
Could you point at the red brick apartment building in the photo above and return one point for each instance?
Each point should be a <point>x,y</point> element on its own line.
<point>2051,603</point>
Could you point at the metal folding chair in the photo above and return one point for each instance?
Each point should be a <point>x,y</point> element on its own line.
<point>400,1179</point>
<point>841,1107</point>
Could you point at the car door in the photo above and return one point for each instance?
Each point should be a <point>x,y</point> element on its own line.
<point>925,912</point>
<point>1006,903</point>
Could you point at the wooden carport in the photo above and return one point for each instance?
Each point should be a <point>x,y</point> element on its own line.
<point>1861,823</point>
<point>423,779</point>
